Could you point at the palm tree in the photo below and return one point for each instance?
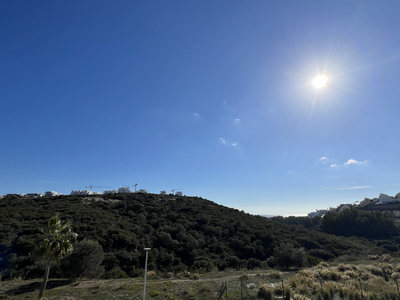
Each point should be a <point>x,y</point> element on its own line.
<point>56,243</point>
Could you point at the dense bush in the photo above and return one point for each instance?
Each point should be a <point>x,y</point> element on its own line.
<point>286,256</point>
<point>369,224</point>
<point>85,260</point>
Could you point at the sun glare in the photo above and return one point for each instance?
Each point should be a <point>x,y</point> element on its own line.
<point>319,81</point>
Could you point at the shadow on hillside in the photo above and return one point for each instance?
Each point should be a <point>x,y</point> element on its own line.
<point>35,286</point>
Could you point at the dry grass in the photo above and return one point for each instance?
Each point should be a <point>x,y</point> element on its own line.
<point>368,281</point>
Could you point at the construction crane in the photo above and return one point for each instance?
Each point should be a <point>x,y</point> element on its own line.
<point>129,186</point>
<point>175,190</point>
<point>90,187</point>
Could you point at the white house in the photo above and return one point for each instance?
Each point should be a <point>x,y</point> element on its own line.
<point>385,199</point>
<point>110,192</point>
<point>318,213</point>
<point>124,190</point>
<point>51,194</point>
<point>81,193</point>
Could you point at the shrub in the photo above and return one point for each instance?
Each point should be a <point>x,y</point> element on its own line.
<point>323,254</point>
<point>151,274</point>
<point>328,274</point>
<point>85,260</point>
<point>265,292</point>
<point>274,274</point>
<point>115,273</point>
<point>286,255</point>
<point>343,267</point>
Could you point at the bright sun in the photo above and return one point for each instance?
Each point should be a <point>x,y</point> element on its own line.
<point>319,81</point>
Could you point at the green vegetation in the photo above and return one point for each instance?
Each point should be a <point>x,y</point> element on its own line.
<point>368,224</point>
<point>351,222</point>
<point>185,234</point>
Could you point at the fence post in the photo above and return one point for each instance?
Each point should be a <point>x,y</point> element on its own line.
<point>397,285</point>
<point>362,296</point>
<point>241,287</point>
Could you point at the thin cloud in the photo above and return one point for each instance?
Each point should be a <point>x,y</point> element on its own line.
<point>353,161</point>
<point>237,120</point>
<point>323,160</point>
<point>196,115</point>
<point>332,163</point>
<point>222,140</point>
<point>352,188</point>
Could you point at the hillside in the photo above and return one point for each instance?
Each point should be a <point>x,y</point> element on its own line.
<point>183,232</point>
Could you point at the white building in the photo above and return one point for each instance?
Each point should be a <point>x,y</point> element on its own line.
<point>124,190</point>
<point>110,192</point>
<point>366,202</point>
<point>81,193</point>
<point>318,213</point>
<point>385,199</point>
<point>143,191</point>
<point>51,194</point>
<point>33,195</point>
<point>179,193</point>
<point>163,192</point>
<point>343,207</point>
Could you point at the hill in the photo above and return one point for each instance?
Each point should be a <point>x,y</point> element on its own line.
<point>183,232</point>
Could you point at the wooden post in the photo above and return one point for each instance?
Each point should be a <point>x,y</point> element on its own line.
<point>241,287</point>
<point>362,296</point>
<point>397,285</point>
<point>226,290</point>
<point>283,290</point>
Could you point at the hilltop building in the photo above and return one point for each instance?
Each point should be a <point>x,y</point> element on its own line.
<point>124,190</point>
<point>33,195</point>
<point>110,192</point>
<point>385,199</point>
<point>51,194</point>
<point>81,192</point>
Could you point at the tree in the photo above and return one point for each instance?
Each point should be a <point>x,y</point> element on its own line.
<point>85,260</point>
<point>55,244</point>
<point>286,255</point>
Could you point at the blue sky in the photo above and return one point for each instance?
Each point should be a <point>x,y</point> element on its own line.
<point>210,96</point>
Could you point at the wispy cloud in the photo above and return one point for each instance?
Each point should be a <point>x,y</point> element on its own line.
<point>237,120</point>
<point>333,164</point>
<point>228,143</point>
<point>196,115</point>
<point>323,159</point>
<point>222,140</point>
<point>351,188</point>
<point>353,161</point>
